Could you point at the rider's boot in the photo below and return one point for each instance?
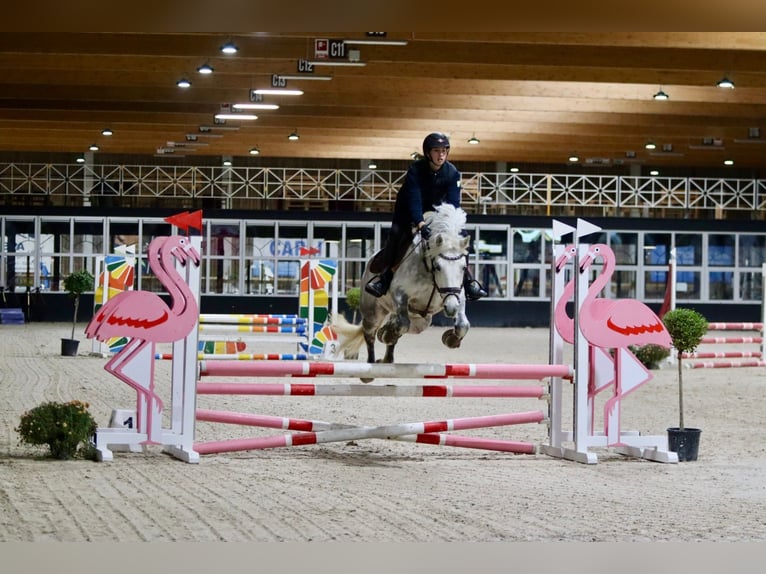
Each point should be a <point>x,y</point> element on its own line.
<point>378,286</point>
<point>473,289</point>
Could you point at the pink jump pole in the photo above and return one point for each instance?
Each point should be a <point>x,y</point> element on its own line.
<point>735,326</point>
<point>381,370</point>
<point>356,433</point>
<point>350,390</point>
<point>437,439</point>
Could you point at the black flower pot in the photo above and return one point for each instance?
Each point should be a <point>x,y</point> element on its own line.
<point>684,442</point>
<point>69,347</point>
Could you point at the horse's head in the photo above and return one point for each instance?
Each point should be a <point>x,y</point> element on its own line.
<point>444,254</point>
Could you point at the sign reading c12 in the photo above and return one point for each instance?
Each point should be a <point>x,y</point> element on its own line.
<point>329,49</point>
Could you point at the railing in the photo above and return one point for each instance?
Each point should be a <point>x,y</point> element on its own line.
<point>235,186</point>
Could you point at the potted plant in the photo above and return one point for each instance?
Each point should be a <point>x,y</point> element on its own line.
<point>75,285</point>
<point>686,328</point>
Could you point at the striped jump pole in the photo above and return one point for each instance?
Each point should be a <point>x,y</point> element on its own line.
<point>358,390</point>
<point>735,326</point>
<point>437,439</point>
<point>226,328</point>
<point>730,340</point>
<point>382,432</point>
<point>722,355</point>
<point>724,364</point>
<point>251,319</point>
<point>382,370</point>
<point>243,356</point>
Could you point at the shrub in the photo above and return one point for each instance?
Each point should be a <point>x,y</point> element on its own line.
<point>353,297</point>
<point>651,355</point>
<point>66,428</point>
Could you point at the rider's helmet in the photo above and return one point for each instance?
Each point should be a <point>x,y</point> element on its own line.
<point>435,139</point>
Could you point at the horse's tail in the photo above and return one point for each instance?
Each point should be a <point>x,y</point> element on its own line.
<point>350,337</point>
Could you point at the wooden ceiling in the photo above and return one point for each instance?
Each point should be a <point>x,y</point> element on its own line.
<point>532,97</point>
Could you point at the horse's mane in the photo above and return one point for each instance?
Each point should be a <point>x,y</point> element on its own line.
<point>448,221</point>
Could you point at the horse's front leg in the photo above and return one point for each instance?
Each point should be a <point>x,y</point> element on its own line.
<point>453,337</point>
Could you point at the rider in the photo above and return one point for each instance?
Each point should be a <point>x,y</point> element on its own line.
<point>430,181</point>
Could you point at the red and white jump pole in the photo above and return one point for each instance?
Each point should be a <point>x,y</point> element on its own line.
<point>354,390</point>
<point>383,432</point>
<point>382,370</point>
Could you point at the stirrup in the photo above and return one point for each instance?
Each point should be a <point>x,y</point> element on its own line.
<point>376,287</point>
<point>474,290</point>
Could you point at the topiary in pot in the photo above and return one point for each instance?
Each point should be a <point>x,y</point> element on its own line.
<point>75,285</point>
<point>353,297</point>
<point>686,328</point>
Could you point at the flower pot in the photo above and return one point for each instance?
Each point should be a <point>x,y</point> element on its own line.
<point>69,347</point>
<point>684,442</point>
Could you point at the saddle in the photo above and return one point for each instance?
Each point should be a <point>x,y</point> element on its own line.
<point>377,265</point>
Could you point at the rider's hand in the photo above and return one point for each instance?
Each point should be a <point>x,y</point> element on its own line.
<point>425,233</point>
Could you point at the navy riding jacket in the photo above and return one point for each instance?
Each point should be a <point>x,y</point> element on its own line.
<point>424,189</point>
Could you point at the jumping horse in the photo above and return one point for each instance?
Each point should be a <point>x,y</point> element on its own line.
<point>429,279</point>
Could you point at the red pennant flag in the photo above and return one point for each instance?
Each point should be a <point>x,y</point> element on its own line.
<point>185,220</point>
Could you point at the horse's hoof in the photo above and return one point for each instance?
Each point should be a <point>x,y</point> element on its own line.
<point>450,339</point>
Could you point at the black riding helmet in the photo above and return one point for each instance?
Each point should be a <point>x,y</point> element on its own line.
<point>435,139</point>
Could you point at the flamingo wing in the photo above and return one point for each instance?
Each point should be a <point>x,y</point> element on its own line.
<point>623,322</point>
<point>130,314</point>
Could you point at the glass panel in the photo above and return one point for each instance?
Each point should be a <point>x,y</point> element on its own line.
<point>655,283</point>
<point>527,282</point>
<point>526,245</point>
<point>88,237</point>
<point>623,285</point>
<point>688,249</point>
<point>687,285</point>
<point>21,245</point>
<point>625,247</point>
<point>751,250</point>
<point>259,257</point>
<point>721,285</point>
<point>750,285</point>
<point>291,240</point>
<point>656,248</point>
<point>720,250</point>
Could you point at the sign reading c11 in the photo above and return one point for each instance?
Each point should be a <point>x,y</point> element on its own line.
<point>329,49</point>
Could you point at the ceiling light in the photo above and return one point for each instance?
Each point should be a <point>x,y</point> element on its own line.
<point>80,159</point>
<point>183,83</point>
<point>93,147</point>
<point>372,165</point>
<point>336,63</point>
<point>229,48</point>
<point>725,83</point>
<point>205,69</point>
<point>661,95</point>
<point>728,162</point>
<point>255,151</point>
<point>278,92</point>
<point>654,172</point>
<point>255,106</point>
<point>514,170</point>
<point>294,136</point>
<point>227,163</point>
<point>473,140</point>
<point>650,145</point>
<point>106,132</point>
<point>375,42</point>
<point>573,158</point>
<point>304,77</point>
<point>236,117</point>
